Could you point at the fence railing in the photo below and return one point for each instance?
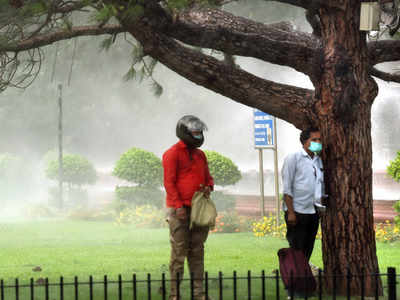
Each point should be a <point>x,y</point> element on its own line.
<point>248,287</point>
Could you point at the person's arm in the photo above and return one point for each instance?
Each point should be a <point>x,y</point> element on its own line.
<point>170,163</point>
<point>291,214</point>
<point>288,174</point>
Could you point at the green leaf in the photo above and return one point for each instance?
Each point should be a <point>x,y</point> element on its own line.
<point>106,44</point>
<point>132,13</point>
<point>157,89</point>
<point>131,74</point>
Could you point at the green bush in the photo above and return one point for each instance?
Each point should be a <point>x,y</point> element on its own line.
<point>396,207</point>
<point>85,214</point>
<point>231,222</point>
<point>394,168</point>
<point>222,201</point>
<point>222,169</point>
<point>394,171</point>
<point>77,170</point>
<point>143,216</point>
<point>140,195</point>
<point>38,211</point>
<point>139,166</point>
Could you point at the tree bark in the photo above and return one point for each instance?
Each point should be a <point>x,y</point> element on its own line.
<point>345,93</point>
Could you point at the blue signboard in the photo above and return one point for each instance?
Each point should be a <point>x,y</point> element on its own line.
<point>263,130</point>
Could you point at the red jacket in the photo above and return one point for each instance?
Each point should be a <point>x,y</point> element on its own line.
<point>182,175</point>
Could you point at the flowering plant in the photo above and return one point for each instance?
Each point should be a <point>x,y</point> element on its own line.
<point>229,222</point>
<point>142,216</point>
<point>268,226</point>
<point>387,232</point>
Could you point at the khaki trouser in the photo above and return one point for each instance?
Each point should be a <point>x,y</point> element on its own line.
<point>186,243</point>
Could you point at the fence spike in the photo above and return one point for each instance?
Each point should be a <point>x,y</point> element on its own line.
<point>76,287</point>
<point>163,289</point>
<point>277,292</point>
<point>16,289</point>
<point>61,288</point>
<point>119,286</point>
<point>46,284</point>
<point>391,280</point>
<point>105,287</point>
<point>263,285</point>
<point>91,287</point>
<point>31,285</point>
<point>220,285</point>
<point>148,286</point>
<point>134,282</point>
<point>249,285</point>
<point>234,285</point>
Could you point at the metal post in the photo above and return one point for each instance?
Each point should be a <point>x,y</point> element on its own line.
<point>276,173</point>
<point>60,147</point>
<point>391,280</point>
<point>260,152</point>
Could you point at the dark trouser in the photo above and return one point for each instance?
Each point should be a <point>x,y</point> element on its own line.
<point>302,235</point>
<point>186,243</point>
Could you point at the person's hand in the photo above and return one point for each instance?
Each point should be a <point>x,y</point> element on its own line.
<point>206,190</point>
<point>181,213</point>
<point>291,218</point>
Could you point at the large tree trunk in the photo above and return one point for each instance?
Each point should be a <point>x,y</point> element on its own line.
<point>345,93</point>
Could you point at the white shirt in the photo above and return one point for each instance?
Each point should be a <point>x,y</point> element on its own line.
<point>303,180</point>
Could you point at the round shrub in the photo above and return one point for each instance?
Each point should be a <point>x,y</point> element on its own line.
<point>77,170</point>
<point>139,166</point>
<point>394,168</point>
<point>222,169</point>
<point>140,195</point>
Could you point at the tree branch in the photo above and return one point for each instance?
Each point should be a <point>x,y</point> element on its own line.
<point>313,19</point>
<point>71,7</point>
<point>49,38</point>
<point>286,102</point>
<point>385,76</point>
<point>220,30</point>
<point>384,51</point>
<point>306,4</point>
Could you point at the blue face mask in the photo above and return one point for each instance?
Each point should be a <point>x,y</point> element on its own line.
<point>198,137</point>
<point>315,147</point>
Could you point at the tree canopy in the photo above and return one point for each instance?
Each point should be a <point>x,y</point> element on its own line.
<point>222,169</point>
<point>139,166</point>
<point>77,170</point>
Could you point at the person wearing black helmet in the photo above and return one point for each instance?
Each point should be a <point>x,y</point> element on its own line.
<point>185,172</point>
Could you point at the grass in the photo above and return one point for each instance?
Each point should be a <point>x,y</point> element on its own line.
<point>69,248</point>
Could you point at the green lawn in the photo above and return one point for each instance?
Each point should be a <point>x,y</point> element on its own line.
<point>69,248</point>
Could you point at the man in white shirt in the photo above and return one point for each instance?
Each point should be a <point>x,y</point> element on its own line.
<point>303,188</point>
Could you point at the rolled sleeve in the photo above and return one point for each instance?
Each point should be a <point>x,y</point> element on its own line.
<point>288,173</point>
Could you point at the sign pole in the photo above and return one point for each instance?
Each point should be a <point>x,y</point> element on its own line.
<point>276,175</point>
<point>262,206</point>
<point>265,138</point>
<point>60,148</point>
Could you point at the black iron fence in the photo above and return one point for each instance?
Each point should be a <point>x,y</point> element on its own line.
<point>219,287</point>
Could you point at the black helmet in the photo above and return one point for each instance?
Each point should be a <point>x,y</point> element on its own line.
<point>185,126</point>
